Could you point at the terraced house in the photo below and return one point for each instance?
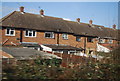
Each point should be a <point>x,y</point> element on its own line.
<point>22,27</point>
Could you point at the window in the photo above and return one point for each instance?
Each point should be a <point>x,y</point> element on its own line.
<point>49,35</point>
<point>10,32</point>
<point>71,52</point>
<point>110,41</point>
<point>58,51</point>
<point>78,38</point>
<point>101,40</point>
<point>65,36</point>
<point>89,39</point>
<point>30,33</point>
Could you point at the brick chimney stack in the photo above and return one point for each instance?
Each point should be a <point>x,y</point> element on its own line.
<point>90,21</point>
<point>114,26</point>
<point>41,12</point>
<point>21,9</point>
<point>78,19</point>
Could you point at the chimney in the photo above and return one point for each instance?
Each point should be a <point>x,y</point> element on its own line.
<point>78,19</point>
<point>41,12</point>
<point>21,9</point>
<point>114,26</point>
<point>90,21</point>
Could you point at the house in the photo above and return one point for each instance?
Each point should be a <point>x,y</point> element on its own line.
<point>19,27</point>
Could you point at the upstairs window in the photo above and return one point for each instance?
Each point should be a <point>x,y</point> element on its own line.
<point>110,41</point>
<point>10,32</point>
<point>78,38</point>
<point>101,40</point>
<point>49,35</point>
<point>30,33</point>
<point>65,36</point>
<point>89,39</point>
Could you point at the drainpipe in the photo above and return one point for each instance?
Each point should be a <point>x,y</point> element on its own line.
<point>21,35</point>
<point>58,36</point>
<point>84,45</point>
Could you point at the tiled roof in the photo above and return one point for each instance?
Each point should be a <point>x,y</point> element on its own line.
<point>37,22</point>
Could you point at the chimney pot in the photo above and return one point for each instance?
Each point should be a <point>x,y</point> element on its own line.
<point>41,12</point>
<point>21,9</point>
<point>90,22</point>
<point>78,19</point>
<point>114,26</point>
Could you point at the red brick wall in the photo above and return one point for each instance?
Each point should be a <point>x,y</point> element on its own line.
<point>10,38</point>
<point>0,36</point>
<point>39,39</point>
<point>42,40</point>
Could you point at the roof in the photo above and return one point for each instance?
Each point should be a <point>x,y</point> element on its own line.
<point>17,19</point>
<point>27,53</point>
<point>30,44</point>
<point>62,47</point>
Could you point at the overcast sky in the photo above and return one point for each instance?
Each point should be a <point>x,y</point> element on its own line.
<point>102,13</point>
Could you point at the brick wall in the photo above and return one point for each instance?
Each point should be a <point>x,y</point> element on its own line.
<point>42,40</point>
<point>10,38</point>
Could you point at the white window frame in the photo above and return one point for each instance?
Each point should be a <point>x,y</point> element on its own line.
<point>65,37</point>
<point>101,40</point>
<point>110,41</point>
<point>31,32</point>
<point>69,52</point>
<point>10,29</point>
<point>50,35</point>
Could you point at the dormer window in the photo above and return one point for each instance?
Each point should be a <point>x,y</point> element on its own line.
<point>10,32</point>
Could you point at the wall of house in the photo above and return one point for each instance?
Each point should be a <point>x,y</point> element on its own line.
<point>42,40</point>
<point>0,35</point>
<point>9,40</point>
<point>39,39</point>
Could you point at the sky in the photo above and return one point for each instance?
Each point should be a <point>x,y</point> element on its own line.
<point>102,13</point>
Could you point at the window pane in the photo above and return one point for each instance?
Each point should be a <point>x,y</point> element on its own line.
<point>26,33</point>
<point>77,38</point>
<point>52,35</point>
<point>47,35</point>
<point>30,34</point>
<point>64,36</point>
<point>90,39</point>
<point>12,32</point>
<point>33,33</point>
<point>8,30</point>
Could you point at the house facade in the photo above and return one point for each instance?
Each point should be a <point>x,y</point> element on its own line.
<point>19,27</point>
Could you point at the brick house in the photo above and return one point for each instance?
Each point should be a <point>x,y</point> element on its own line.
<point>20,26</point>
